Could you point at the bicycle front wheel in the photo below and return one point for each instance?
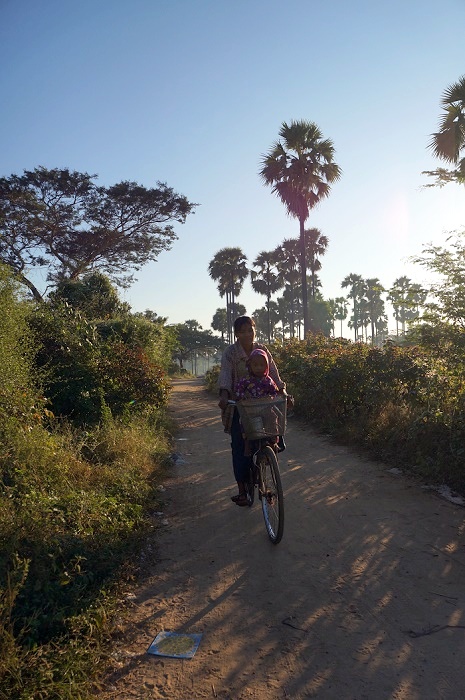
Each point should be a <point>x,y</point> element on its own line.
<point>271,494</point>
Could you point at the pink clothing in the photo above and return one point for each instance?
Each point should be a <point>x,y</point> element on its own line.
<point>255,388</point>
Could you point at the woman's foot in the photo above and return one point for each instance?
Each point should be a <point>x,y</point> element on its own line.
<point>240,499</point>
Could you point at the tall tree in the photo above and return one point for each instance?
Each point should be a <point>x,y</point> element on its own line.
<point>266,279</point>
<point>192,340</point>
<point>288,269</point>
<point>320,315</point>
<point>284,315</point>
<point>315,246</point>
<point>62,220</point>
<point>398,296</point>
<point>416,297</point>
<point>340,313</point>
<point>376,311</point>
<point>220,322</point>
<point>355,284</point>
<point>300,170</point>
<point>406,298</point>
<point>262,317</point>
<point>229,268</point>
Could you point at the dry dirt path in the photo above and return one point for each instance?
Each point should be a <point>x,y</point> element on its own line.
<point>364,598</point>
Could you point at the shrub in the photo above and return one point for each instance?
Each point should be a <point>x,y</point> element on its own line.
<point>406,404</point>
<point>92,372</point>
<point>211,378</point>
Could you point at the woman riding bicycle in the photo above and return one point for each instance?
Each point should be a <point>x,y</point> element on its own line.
<point>234,368</point>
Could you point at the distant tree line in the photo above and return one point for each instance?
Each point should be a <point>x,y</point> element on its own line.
<point>282,316</point>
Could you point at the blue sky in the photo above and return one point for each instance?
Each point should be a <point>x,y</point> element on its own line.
<point>193,93</point>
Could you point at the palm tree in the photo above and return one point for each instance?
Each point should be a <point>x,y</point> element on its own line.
<point>267,314</point>
<point>450,139</point>
<point>373,291</point>
<point>266,279</point>
<point>320,315</point>
<point>300,169</point>
<point>406,298</point>
<point>363,317</point>
<point>416,297</point>
<point>228,267</point>
<point>397,295</point>
<point>340,312</point>
<point>220,322</point>
<point>284,312</point>
<point>355,282</point>
<point>315,247</point>
<point>287,254</point>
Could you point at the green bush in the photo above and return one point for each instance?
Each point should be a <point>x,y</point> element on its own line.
<point>406,404</point>
<point>93,371</point>
<point>211,378</point>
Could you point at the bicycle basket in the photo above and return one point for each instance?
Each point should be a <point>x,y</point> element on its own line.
<point>264,417</point>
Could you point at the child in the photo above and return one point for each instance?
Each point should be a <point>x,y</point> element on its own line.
<point>256,385</point>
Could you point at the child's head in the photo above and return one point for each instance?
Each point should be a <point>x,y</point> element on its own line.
<point>258,363</point>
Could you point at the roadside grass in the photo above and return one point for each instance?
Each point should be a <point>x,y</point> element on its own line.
<point>76,508</point>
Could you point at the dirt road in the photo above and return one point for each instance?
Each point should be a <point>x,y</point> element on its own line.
<point>364,598</point>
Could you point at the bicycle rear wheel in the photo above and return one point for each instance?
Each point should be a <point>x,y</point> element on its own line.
<point>271,494</point>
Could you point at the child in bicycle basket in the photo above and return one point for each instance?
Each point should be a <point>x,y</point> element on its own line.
<point>257,385</point>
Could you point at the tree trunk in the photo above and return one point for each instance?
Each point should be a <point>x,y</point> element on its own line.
<point>228,316</point>
<point>233,311</point>
<point>268,317</point>
<point>292,319</point>
<point>303,272</point>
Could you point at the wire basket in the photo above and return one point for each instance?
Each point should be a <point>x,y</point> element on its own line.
<point>264,417</point>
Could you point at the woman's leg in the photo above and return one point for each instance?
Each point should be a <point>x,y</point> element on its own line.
<point>241,463</point>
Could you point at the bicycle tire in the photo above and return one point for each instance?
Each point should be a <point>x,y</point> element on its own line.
<point>271,494</point>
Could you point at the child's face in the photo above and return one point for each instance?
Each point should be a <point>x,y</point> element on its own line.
<point>257,366</point>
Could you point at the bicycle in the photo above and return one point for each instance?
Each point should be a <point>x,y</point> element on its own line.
<point>262,420</point>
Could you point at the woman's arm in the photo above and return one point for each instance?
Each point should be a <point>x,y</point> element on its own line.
<point>225,378</point>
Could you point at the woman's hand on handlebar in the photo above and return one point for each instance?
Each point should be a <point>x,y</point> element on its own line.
<point>224,399</point>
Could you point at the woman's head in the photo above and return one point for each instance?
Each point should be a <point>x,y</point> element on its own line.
<point>242,321</point>
<point>244,330</point>
<point>258,363</point>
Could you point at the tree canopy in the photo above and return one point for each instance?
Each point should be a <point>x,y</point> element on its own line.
<point>228,267</point>
<point>63,220</point>
<point>300,170</point>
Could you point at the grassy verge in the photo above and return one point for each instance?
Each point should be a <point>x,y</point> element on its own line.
<point>75,510</point>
